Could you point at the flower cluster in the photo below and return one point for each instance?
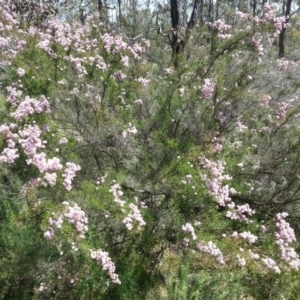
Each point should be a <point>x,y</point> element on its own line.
<point>240,126</point>
<point>207,89</point>
<point>143,81</point>
<point>43,287</point>
<point>270,16</point>
<point>265,100</point>
<point>131,130</point>
<point>138,101</point>
<point>77,38</point>
<point>253,255</point>
<point>119,75</point>
<point>185,242</point>
<point>222,193</point>
<point>181,91</point>
<point>187,179</point>
<point>242,16</point>
<point>31,106</point>
<point>69,174</point>
<point>241,260</point>
<point>77,217</point>
<point>217,146</point>
<point>115,189</point>
<point>9,155</point>
<point>256,41</point>
<point>240,213</point>
<point>54,222</point>
<point>10,45</point>
<point>282,64</point>
<point>100,180</point>
<point>188,228</point>
<point>103,259</point>
<point>74,215</point>
<point>125,61</point>
<point>14,94</point>
<point>282,109</point>
<point>30,141</point>
<point>214,183</point>
<point>28,138</point>
<point>246,235</point>
<point>285,236</point>
<point>271,264</point>
<point>115,44</point>
<point>211,249</point>
<point>63,141</point>
<point>222,28</point>
<point>21,72</point>
<point>134,216</point>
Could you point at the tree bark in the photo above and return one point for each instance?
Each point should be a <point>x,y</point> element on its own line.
<point>192,20</point>
<point>254,8</point>
<point>287,12</point>
<point>201,12</point>
<point>217,9</point>
<point>175,24</point>
<point>120,12</point>
<point>176,42</point>
<point>100,5</point>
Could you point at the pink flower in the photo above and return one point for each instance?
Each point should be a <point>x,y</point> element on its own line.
<point>241,260</point>
<point>9,155</point>
<point>103,259</point>
<point>63,141</point>
<point>208,89</point>
<point>49,235</point>
<point>144,82</point>
<point>134,216</point>
<point>188,228</point>
<point>69,174</point>
<point>181,91</point>
<point>21,72</point>
<point>271,264</point>
<point>43,287</point>
<point>51,178</point>
<point>282,64</point>
<point>125,61</point>
<point>138,101</point>
<point>120,76</point>
<point>211,249</point>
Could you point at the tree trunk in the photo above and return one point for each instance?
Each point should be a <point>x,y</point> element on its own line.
<point>287,12</point>
<point>201,12</point>
<point>192,20</point>
<point>175,23</point>
<point>120,12</point>
<point>100,6</point>
<point>210,11</point>
<point>177,43</point>
<point>217,10</point>
<point>254,8</point>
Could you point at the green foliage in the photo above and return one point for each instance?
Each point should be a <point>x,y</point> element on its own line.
<point>147,155</point>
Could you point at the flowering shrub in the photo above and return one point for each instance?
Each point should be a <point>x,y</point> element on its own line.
<point>162,165</point>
